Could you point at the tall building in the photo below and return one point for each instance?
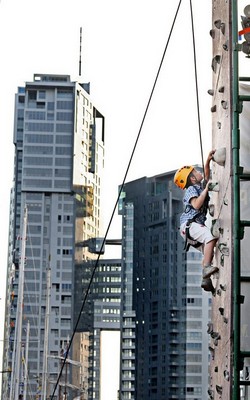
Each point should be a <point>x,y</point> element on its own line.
<point>100,317</point>
<point>164,312</point>
<point>55,203</point>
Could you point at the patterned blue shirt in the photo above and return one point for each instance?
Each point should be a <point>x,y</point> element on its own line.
<point>189,211</point>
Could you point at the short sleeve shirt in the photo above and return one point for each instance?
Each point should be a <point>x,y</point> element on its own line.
<point>189,211</point>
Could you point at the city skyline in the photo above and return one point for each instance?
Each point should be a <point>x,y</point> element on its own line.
<point>121,62</point>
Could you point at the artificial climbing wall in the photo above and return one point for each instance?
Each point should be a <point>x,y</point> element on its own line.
<point>220,328</point>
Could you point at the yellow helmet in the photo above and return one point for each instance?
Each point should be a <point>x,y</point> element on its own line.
<point>180,178</point>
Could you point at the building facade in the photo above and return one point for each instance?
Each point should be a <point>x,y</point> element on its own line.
<point>100,316</point>
<point>164,312</point>
<point>59,159</point>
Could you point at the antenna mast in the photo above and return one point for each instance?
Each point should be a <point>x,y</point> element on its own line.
<point>80,53</point>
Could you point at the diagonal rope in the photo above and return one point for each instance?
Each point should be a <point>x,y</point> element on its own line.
<point>117,201</point>
<point>196,85</point>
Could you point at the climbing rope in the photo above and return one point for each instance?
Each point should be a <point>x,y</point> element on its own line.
<point>116,203</point>
<point>127,170</point>
<point>196,85</point>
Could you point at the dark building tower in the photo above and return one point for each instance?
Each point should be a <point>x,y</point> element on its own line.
<point>159,284</point>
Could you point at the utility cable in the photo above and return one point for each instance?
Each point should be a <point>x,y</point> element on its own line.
<point>196,85</point>
<point>116,203</point>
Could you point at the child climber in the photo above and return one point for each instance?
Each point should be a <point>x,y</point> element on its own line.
<point>192,220</point>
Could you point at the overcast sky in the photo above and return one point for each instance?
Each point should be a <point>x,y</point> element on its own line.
<point>122,46</point>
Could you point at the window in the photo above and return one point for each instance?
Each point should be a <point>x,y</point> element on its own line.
<point>41,94</point>
<point>35,115</point>
<point>64,116</point>
<point>38,161</point>
<point>39,127</point>
<point>39,138</point>
<point>64,128</point>
<point>67,251</point>
<point>64,105</point>
<point>32,95</point>
<point>50,106</point>
<point>38,150</point>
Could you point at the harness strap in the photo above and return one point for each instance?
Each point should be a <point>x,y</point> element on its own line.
<point>189,240</point>
<point>203,210</point>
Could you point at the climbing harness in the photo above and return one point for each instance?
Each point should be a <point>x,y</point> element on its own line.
<point>189,241</point>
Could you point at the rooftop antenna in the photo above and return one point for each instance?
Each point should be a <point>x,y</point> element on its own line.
<point>80,53</point>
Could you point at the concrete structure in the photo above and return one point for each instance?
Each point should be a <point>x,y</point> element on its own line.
<point>164,312</point>
<point>59,157</point>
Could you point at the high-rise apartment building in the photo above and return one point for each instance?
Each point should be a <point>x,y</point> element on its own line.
<point>164,312</point>
<point>100,317</point>
<point>55,203</point>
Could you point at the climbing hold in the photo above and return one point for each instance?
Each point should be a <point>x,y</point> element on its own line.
<point>212,33</point>
<point>216,369</point>
<point>211,92</point>
<point>223,249</point>
<point>211,209</point>
<point>216,60</point>
<point>221,89</point>
<point>223,287</point>
<point>219,155</point>
<point>224,104</point>
<point>220,25</point>
<point>213,109</point>
<point>225,320</point>
<point>209,328</point>
<point>219,292</point>
<point>217,23</point>
<point>219,125</point>
<point>219,389</point>
<point>222,259</point>
<point>215,335</point>
<point>213,187</point>
<point>210,393</point>
<point>211,349</point>
<point>226,375</point>
<point>216,338</point>
<point>221,310</point>
<point>215,228</point>
<point>225,46</point>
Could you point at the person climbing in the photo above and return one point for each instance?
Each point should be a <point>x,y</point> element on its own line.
<point>192,220</point>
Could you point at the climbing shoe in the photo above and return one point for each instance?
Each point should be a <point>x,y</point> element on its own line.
<point>207,285</point>
<point>209,270</point>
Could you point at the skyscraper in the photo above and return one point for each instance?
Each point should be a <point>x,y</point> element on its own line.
<point>164,312</point>
<point>59,159</point>
<point>100,317</point>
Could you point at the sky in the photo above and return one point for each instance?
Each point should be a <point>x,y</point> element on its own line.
<point>122,46</point>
